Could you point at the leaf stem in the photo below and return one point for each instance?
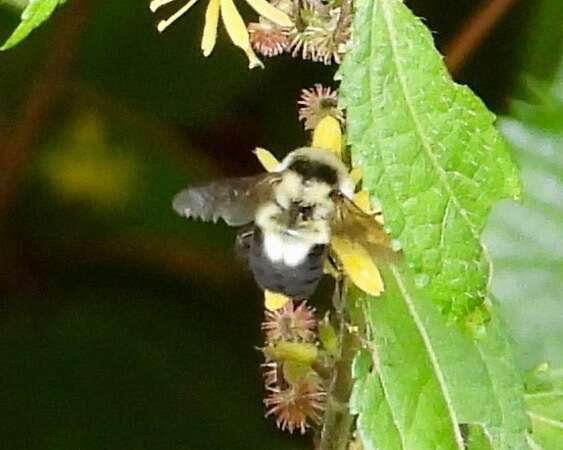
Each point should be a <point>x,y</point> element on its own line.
<point>335,434</point>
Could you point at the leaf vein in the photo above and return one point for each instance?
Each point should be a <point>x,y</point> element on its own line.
<point>442,174</point>
<point>547,420</point>
<point>432,356</point>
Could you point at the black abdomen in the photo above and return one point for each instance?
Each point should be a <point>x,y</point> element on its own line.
<point>297,282</point>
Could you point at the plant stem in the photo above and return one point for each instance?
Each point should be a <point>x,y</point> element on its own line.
<point>474,31</point>
<point>338,421</point>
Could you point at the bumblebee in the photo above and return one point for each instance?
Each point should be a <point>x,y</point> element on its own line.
<point>288,217</point>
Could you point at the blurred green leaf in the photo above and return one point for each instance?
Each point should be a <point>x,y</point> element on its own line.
<point>545,39</point>
<point>114,179</point>
<point>429,151</point>
<point>526,240</point>
<point>34,14</point>
<point>91,170</point>
<point>17,4</point>
<point>545,407</point>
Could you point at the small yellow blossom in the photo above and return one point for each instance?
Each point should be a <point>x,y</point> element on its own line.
<point>234,24</point>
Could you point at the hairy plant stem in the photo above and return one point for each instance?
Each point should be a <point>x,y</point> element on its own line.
<point>336,431</point>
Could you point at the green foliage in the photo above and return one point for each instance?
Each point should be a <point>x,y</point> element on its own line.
<point>526,240</point>
<point>34,14</point>
<point>429,151</point>
<point>429,379</point>
<point>544,397</point>
<point>431,155</point>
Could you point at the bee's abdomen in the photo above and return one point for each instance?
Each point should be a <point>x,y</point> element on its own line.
<point>298,281</point>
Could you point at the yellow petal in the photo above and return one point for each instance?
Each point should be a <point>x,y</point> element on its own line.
<point>210,28</point>
<point>356,175</point>
<point>236,29</point>
<point>253,60</point>
<point>163,24</point>
<point>268,161</point>
<point>270,12</point>
<point>361,199</point>
<point>155,4</point>
<point>328,135</point>
<point>358,265</point>
<point>274,301</point>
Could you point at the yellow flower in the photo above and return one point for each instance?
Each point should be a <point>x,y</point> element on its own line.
<point>355,259</point>
<point>235,26</point>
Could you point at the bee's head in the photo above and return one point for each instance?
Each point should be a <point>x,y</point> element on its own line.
<point>298,222</point>
<point>303,199</point>
<point>316,167</point>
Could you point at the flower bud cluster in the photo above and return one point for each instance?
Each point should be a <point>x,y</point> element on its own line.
<point>320,30</point>
<point>295,393</point>
<point>316,103</point>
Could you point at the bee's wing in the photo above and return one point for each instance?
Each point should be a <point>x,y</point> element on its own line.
<point>354,225</point>
<point>232,199</point>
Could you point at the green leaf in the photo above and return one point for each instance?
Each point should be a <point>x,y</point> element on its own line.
<point>433,382</point>
<point>476,438</point>
<point>431,155</point>
<point>429,151</point>
<point>528,275</point>
<point>545,407</point>
<point>35,13</point>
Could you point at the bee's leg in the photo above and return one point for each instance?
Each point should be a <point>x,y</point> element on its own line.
<point>243,241</point>
<point>339,284</point>
<point>333,262</point>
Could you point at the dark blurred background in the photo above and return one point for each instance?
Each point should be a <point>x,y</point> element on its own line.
<point>123,326</point>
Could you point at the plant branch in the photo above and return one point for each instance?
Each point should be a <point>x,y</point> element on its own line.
<point>474,31</point>
<point>338,421</point>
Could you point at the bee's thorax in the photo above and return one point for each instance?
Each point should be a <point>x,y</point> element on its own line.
<point>320,166</point>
